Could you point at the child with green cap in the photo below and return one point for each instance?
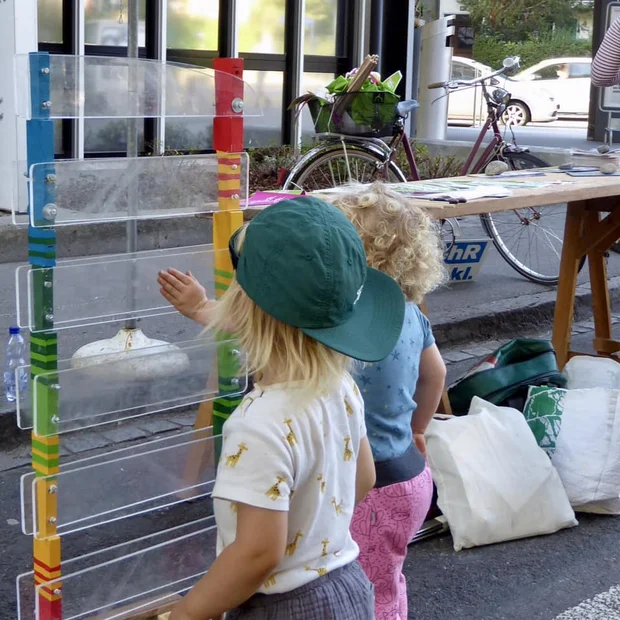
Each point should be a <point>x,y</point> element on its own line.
<point>295,457</point>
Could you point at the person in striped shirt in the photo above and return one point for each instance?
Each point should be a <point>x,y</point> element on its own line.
<point>606,63</point>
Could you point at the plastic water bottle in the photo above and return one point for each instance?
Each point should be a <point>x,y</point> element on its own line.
<point>15,351</point>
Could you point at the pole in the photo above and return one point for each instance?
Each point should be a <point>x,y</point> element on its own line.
<point>132,150</point>
<point>43,342</point>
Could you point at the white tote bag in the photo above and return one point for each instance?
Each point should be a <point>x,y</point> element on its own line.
<point>493,481</point>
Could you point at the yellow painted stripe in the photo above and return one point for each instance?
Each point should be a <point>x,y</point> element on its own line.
<point>48,595</point>
<point>52,440</point>
<point>229,168</point>
<point>44,575</point>
<point>228,204</point>
<point>231,184</point>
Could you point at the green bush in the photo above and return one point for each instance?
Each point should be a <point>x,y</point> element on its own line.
<point>491,50</point>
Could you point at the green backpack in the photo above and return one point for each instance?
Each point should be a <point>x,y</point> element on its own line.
<point>505,377</point>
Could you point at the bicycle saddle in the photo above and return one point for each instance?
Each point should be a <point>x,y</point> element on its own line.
<point>404,107</point>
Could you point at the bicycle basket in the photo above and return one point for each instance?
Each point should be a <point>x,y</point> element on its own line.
<point>366,114</point>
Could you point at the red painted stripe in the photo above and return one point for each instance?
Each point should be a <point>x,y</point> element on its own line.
<point>227,193</point>
<point>227,161</point>
<point>228,177</point>
<point>50,610</point>
<point>44,566</point>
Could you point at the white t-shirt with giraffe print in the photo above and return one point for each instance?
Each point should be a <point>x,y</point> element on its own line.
<point>278,456</point>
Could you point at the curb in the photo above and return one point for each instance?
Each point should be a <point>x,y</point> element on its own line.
<point>509,318</point>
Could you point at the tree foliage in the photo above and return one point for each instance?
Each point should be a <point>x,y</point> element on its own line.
<point>518,20</point>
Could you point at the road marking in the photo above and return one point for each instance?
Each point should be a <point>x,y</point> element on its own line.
<point>604,606</point>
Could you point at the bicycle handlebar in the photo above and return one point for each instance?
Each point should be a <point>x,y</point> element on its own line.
<point>454,84</point>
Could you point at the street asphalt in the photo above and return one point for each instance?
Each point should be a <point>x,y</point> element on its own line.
<point>533,579</point>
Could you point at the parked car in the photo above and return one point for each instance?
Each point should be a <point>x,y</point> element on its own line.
<point>529,102</point>
<point>568,79</point>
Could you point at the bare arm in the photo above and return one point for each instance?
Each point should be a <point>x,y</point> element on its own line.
<point>240,570</point>
<point>606,63</point>
<point>431,383</point>
<point>366,476</point>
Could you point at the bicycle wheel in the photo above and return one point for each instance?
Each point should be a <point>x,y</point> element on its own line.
<point>336,166</point>
<point>529,240</point>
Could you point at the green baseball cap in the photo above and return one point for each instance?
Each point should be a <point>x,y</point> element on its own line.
<point>303,263</point>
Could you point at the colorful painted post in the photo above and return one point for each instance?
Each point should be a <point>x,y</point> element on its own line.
<point>228,143</point>
<point>43,346</point>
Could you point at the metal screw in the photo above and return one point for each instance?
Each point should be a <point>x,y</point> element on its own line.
<point>55,387</point>
<point>46,104</point>
<point>235,352</point>
<point>235,196</point>
<point>53,489</point>
<point>50,211</point>
<point>234,166</point>
<point>45,71</point>
<point>57,592</point>
<point>52,520</point>
<point>237,105</point>
<point>47,284</point>
<point>55,420</point>
<point>234,381</point>
<point>49,317</point>
<point>50,178</point>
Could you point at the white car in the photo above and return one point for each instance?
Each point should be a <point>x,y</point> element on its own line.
<point>569,81</point>
<point>529,102</point>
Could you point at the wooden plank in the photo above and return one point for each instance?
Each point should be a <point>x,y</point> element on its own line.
<point>149,610</point>
<point>569,270</point>
<point>594,229</point>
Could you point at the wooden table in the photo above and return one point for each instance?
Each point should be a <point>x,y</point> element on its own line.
<point>592,227</point>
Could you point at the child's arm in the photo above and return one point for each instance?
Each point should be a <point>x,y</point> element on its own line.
<point>431,383</point>
<point>241,568</point>
<point>186,294</point>
<point>366,476</point>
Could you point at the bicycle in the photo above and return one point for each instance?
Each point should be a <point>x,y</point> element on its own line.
<point>354,152</point>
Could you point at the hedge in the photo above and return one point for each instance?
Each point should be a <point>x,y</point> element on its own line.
<point>490,50</point>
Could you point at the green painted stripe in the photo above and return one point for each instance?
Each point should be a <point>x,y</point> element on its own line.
<point>42,359</point>
<point>223,274</point>
<point>43,340</point>
<point>53,450</point>
<point>45,348</point>
<point>33,254</point>
<point>48,463</point>
<point>221,287</point>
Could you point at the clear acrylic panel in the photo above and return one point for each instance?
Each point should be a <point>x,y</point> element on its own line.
<point>124,483</point>
<point>109,388</point>
<point>119,188</point>
<point>132,555</point>
<point>110,288</point>
<point>120,87</point>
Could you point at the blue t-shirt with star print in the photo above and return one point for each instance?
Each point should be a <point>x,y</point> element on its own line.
<point>388,388</point>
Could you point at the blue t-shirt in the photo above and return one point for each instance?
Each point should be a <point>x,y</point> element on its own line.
<point>388,388</point>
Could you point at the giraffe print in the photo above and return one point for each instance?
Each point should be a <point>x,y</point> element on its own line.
<point>233,459</point>
<point>274,492</point>
<point>348,453</point>
<point>325,544</point>
<point>322,483</point>
<point>292,547</point>
<point>234,507</point>
<point>271,582</point>
<point>290,437</point>
<point>348,407</point>
<point>322,571</point>
<point>337,507</point>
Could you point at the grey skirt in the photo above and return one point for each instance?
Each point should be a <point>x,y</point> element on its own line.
<point>344,594</point>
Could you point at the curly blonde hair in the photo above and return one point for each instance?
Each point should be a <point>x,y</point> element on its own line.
<point>400,239</point>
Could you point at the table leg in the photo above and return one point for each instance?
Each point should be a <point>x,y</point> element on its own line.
<point>567,285</point>
<point>601,306</point>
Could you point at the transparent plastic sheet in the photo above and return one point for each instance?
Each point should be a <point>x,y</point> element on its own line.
<point>95,290</point>
<point>107,389</point>
<point>155,568</point>
<point>17,171</point>
<point>117,87</point>
<point>124,483</point>
<point>147,381</point>
<point>120,188</point>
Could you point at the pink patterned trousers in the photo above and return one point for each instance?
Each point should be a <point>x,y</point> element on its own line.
<point>383,525</point>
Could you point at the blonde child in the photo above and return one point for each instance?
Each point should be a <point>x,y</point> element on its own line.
<point>295,457</point>
<point>401,393</point>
